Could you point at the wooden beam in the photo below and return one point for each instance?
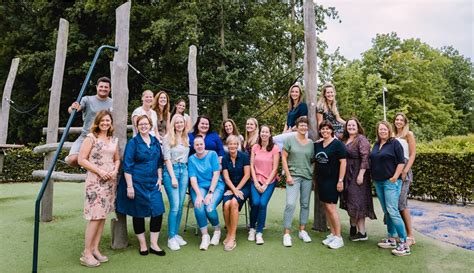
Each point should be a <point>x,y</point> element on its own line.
<point>192,75</point>
<point>77,130</point>
<point>61,176</point>
<point>51,147</point>
<point>11,146</point>
<point>120,106</point>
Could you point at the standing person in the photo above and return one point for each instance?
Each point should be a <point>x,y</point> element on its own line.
<point>408,142</point>
<point>357,195</point>
<point>251,134</point>
<point>180,108</point>
<point>207,189</point>
<point>203,127</point>
<point>330,170</point>
<point>387,162</point>
<point>139,191</point>
<point>175,176</point>
<point>100,157</point>
<point>296,161</point>
<point>264,161</point>
<point>89,106</point>
<point>146,109</point>
<point>296,108</point>
<point>229,128</point>
<point>326,109</point>
<point>162,108</point>
<point>236,173</point>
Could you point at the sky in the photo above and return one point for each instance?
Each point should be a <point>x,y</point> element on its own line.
<point>435,22</point>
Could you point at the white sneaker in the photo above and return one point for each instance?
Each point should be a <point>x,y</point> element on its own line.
<point>252,232</point>
<point>259,239</point>
<point>173,244</point>
<point>336,243</point>
<point>303,235</point>
<point>328,239</point>
<point>205,241</point>
<point>287,240</point>
<point>180,240</point>
<point>215,238</point>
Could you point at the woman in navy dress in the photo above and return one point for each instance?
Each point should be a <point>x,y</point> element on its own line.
<point>139,191</point>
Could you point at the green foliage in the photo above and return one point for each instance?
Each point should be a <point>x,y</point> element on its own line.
<point>450,144</point>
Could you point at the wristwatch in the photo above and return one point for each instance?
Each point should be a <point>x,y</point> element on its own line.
<point>210,191</point>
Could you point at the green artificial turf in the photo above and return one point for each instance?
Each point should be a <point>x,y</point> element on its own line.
<point>61,242</point>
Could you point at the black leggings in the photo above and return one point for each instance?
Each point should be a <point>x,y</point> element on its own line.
<point>139,224</point>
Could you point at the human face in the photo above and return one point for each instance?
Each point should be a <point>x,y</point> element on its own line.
<point>162,99</point>
<point>295,93</point>
<point>302,128</point>
<point>147,98</point>
<point>228,127</point>
<point>329,94</point>
<point>326,132</point>
<point>103,90</point>
<point>144,126</point>
<point>203,126</point>
<point>181,107</point>
<point>179,124</point>
<point>105,123</point>
<point>265,133</point>
<point>232,146</point>
<point>250,126</point>
<point>199,145</point>
<point>399,122</point>
<point>383,132</point>
<point>352,128</point>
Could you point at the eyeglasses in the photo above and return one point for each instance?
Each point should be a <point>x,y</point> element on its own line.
<point>143,124</point>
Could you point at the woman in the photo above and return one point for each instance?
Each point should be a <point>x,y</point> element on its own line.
<point>387,164</point>
<point>161,106</point>
<point>408,142</point>
<point>175,176</point>
<point>357,195</point>
<point>236,173</point>
<point>203,127</point>
<point>229,128</point>
<point>207,189</point>
<point>100,157</point>
<point>330,170</point>
<point>296,158</point>
<point>180,108</point>
<point>326,109</point>
<point>139,191</point>
<point>145,109</point>
<point>251,134</point>
<point>263,167</point>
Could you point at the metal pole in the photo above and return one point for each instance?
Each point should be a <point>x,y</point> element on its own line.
<point>56,155</point>
<point>384,90</point>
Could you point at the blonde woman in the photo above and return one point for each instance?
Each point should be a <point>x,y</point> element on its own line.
<point>145,109</point>
<point>161,106</point>
<point>326,109</point>
<point>407,139</point>
<point>251,134</point>
<point>175,176</point>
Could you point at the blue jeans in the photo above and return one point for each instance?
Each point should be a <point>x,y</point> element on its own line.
<point>206,212</point>
<point>176,196</point>
<point>388,194</point>
<point>259,202</point>
<point>302,187</point>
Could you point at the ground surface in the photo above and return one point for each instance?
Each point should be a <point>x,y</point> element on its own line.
<point>61,243</point>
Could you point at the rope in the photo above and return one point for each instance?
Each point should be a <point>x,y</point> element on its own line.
<point>21,111</point>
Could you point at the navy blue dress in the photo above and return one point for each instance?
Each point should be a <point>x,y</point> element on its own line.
<point>142,162</point>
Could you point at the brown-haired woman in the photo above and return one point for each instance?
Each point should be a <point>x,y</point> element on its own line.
<point>161,106</point>
<point>229,128</point>
<point>100,157</point>
<point>356,198</point>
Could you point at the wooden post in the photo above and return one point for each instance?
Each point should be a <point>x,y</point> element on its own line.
<point>120,106</point>
<point>311,86</point>
<point>192,74</point>
<point>53,115</point>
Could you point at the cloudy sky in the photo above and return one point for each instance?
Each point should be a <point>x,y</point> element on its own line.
<point>435,22</point>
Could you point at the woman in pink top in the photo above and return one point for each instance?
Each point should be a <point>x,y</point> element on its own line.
<point>264,159</point>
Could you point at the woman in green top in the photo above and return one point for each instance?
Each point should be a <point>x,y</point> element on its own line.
<point>296,160</point>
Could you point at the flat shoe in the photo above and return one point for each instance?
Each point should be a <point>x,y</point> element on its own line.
<point>411,241</point>
<point>157,252</point>
<point>87,263</point>
<point>102,259</point>
<point>230,248</point>
<point>143,253</point>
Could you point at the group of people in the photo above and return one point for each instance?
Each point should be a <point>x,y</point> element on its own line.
<point>167,152</point>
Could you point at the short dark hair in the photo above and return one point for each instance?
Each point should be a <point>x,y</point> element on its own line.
<point>104,79</point>
<point>302,119</point>
<point>328,124</point>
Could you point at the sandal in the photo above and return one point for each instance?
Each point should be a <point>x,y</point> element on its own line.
<point>228,247</point>
<point>101,258</point>
<point>87,263</point>
<point>411,241</point>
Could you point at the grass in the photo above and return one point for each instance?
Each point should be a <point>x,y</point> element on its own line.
<point>61,242</point>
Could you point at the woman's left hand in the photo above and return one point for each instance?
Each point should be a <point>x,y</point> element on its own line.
<point>404,175</point>
<point>340,186</point>
<point>208,199</point>
<point>360,179</point>
<point>158,184</point>
<point>393,179</point>
<point>227,193</point>
<point>239,194</point>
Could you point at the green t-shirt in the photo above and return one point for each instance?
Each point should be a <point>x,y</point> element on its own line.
<point>299,157</point>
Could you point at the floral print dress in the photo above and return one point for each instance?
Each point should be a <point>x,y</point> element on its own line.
<point>100,194</point>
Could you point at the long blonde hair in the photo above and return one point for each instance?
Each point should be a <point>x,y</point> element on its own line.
<point>322,102</point>
<point>405,129</point>
<point>163,114</point>
<point>290,100</point>
<point>173,141</point>
<point>250,142</point>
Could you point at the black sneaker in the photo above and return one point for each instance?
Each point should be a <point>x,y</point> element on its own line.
<point>352,233</point>
<point>360,237</point>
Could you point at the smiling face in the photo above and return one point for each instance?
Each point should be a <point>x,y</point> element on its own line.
<point>265,133</point>
<point>228,127</point>
<point>105,123</point>
<point>103,90</point>
<point>147,98</point>
<point>180,107</point>
<point>179,124</point>
<point>329,94</point>
<point>302,128</point>
<point>399,122</point>
<point>295,94</point>
<point>203,126</point>
<point>143,125</point>
<point>232,145</point>
<point>199,145</point>
<point>383,132</point>
<point>250,126</point>
<point>352,128</point>
<point>162,99</point>
<point>326,132</point>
